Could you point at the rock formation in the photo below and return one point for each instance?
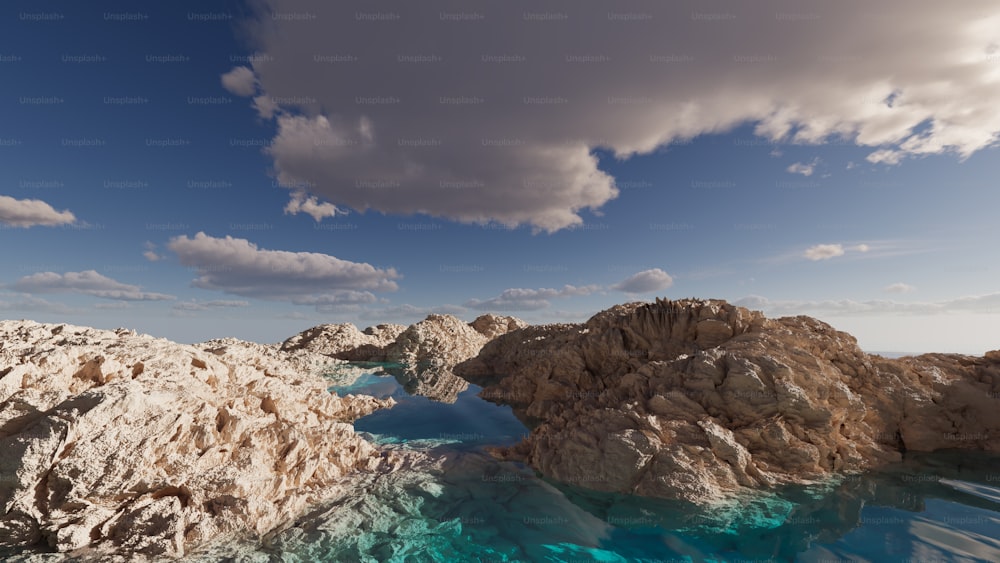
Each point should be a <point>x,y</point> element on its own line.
<point>425,351</point>
<point>345,341</point>
<point>697,399</point>
<point>115,441</point>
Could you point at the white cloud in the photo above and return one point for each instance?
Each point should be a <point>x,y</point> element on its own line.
<point>240,81</point>
<point>872,250</point>
<point>266,107</point>
<point>824,251</point>
<point>150,253</point>
<point>827,251</point>
<point>804,168</point>
<point>31,212</point>
<point>520,299</point>
<point>899,287</point>
<point>88,282</point>
<point>910,78</point>
<point>239,267</point>
<point>646,281</point>
<point>301,202</point>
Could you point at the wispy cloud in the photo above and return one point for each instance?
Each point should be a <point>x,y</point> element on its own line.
<point>88,282</point>
<point>16,302</point>
<point>899,287</point>
<point>150,253</point>
<point>987,303</point>
<point>824,251</point>
<point>520,299</point>
<point>853,251</point>
<point>195,305</point>
<point>804,168</point>
<point>300,202</point>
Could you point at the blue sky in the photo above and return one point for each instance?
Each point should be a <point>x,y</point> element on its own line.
<point>251,171</point>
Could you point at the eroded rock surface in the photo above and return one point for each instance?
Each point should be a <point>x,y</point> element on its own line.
<point>118,442</point>
<point>424,352</point>
<point>697,399</point>
<point>345,341</point>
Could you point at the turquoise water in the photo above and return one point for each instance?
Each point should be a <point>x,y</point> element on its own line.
<point>471,507</point>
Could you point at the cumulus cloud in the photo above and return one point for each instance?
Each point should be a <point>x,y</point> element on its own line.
<point>237,266</point>
<point>301,202</point>
<point>240,81</point>
<point>31,212</point>
<point>520,299</point>
<point>510,107</point>
<point>646,281</point>
<point>899,287</point>
<point>88,282</point>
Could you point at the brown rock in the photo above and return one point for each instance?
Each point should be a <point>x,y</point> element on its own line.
<point>697,399</point>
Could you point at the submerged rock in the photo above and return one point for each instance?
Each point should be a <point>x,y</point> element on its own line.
<point>122,443</point>
<point>697,400</point>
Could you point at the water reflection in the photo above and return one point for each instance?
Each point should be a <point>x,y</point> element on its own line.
<point>426,379</point>
<point>943,506</point>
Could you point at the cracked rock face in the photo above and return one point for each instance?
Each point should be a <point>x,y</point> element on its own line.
<point>124,443</point>
<point>696,400</point>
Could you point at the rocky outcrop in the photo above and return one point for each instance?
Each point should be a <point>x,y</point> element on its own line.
<point>492,326</point>
<point>120,442</point>
<point>427,351</point>
<point>697,400</point>
<point>443,339</point>
<point>424,352</point>
<point>345,341</point>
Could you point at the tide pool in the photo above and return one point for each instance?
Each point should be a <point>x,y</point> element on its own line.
<point>471,507</point>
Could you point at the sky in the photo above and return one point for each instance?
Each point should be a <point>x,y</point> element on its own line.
<point>252,169</point>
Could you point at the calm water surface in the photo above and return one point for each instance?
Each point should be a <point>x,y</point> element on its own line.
<point>940,507</point>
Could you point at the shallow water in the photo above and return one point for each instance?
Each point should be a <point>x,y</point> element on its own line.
<point>939,507</point>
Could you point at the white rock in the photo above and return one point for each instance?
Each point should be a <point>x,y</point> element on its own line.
<point>119,442</point>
